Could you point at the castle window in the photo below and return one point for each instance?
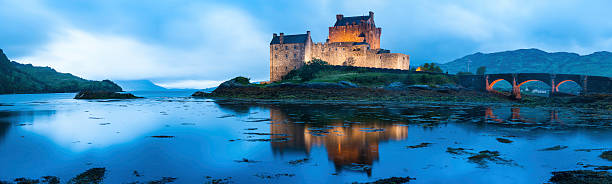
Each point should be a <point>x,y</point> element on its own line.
<point>336,49</point>
<point>275,48</point>
<point>275,56</point>
<point>286,56</point>
<point>286,48</point>
<point>294,47</point>
<point>342,48</point>
<point>294,55</point>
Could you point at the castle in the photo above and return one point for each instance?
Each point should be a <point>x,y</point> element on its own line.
<point>352,41</point>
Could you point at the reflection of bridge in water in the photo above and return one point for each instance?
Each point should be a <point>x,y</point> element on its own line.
<point>350,146</point>
<point>589,84</point>
<point>515,116</point>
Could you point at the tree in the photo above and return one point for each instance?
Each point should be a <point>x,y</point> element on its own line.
<point>431,67</point>
<point>308,71</point>
<point>481,70</point>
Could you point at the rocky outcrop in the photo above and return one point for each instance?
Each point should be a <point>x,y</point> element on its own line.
<point>103,95</point>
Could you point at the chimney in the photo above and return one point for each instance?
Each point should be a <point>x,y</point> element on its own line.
<point>339,17</point>
<point>371,14</point>
<point>281,38</point>
<point>308,33</point>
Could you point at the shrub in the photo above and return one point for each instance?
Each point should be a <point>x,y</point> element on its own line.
<point>242,80</point>
<point>308,71</point>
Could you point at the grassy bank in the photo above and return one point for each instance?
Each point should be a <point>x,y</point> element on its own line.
<point>319,71</point>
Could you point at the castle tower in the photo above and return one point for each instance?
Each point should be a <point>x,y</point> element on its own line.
<point>355,29</point>
<point>288,52</point>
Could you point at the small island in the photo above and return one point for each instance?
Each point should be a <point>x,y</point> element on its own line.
<point>319,81</point>
<point>103,95</point>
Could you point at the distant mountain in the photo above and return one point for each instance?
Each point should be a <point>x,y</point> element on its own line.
<point>535,61</point>
<point>22,78</point>
<point>139,85</point>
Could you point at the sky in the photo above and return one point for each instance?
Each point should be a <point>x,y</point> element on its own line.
<point>198,44</point>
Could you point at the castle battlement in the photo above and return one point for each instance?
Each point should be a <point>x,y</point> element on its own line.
<point>352,41</point>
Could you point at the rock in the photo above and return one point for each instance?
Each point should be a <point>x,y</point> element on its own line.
<point>93,175</point>
<point>606,155</point>
<point>581,176</point>
<point>348,84</point>
<point>421,87</point>
<point>286,85</point>
<point>422,145</point>
<point>396,86</point>
<point>395,180</point>
<point>103,95</point>
<point>502,140</point>
<point>323,85</point>
<point>554,148</point>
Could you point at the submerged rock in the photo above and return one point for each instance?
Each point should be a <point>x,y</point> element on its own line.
<point>390,180</point>
<point>103,95</point>
<point>502,140</point>
<point>606,155</point>
<point>91,176</point>
<point>554,148</point>
<point>422,145</point>
<point>581,176</point>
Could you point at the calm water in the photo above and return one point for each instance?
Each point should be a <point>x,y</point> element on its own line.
<point>52,134</point>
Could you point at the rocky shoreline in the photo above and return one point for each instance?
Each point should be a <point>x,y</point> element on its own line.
<point>396,92</point>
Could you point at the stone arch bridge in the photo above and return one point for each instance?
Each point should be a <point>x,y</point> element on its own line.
<point>589,84</point>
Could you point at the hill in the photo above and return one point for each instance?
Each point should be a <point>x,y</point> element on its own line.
<point>535,61</point>
<point>139,85</point>
<point>25,78</point>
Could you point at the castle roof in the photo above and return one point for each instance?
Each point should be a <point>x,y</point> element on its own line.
<point>351,20</point>
<point>298,38</point>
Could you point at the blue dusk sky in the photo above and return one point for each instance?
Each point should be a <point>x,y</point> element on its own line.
<point>196,44</point>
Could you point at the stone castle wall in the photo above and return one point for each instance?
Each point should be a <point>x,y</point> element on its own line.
<point>286,57</point>
<point>348,54</point>
<point>352,33</point>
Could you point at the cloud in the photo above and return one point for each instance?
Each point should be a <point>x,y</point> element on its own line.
<point>184,40</point>
<point>210,45</point>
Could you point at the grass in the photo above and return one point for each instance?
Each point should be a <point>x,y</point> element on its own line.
<point>376,79</point>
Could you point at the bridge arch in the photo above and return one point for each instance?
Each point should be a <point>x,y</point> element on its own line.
<point>569,81</point>
<point>547,91</point>
<point>490,86</point>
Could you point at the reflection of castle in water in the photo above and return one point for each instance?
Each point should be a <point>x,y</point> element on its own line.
<point>352,146</point>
